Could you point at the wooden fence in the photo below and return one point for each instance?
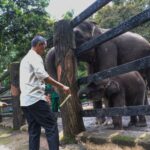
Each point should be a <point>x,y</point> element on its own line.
<point>135,65</point>
<point>131,66</point>
<point>13,109</point>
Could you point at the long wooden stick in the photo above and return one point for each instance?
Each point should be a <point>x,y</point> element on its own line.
<point>65,100</point>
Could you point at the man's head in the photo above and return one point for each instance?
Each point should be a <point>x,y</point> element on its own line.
<point>39,43</point>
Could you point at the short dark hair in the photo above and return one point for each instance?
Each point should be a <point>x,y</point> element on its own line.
<point>37,39</point>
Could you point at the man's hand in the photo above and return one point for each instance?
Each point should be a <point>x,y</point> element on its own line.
<point>66,89</point>
<point>3,104</point>
<point>48,98</point>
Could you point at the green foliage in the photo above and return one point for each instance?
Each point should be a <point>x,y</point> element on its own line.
<point>112,15</point>
<point>123,140</point>
<point>20,21</point>
<point>68,140</point>
<point>82,69</point>
<point>68,15</point>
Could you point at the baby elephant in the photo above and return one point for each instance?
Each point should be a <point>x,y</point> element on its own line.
<point>123,90</point>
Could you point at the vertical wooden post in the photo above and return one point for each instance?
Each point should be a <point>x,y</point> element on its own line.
<point>1,119</point>
<point>64,43</point>
<point>15,91</point>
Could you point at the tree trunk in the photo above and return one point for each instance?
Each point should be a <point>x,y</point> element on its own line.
<point>18,118</point>
<point>66,73</point>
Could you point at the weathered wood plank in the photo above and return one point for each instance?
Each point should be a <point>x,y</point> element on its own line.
<point>18,118</point>
<point>118,111</point>
<point>88,12</point>
<point>131,66</point>
<point>6,114</point>
<point>4,89</point>
<point>120,29</point>
<point>109,112</point>
<point>66,73</point>
<point>5,98</point>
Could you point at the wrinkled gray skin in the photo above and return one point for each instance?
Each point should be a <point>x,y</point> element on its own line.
<point>122,49</point>
<point>50,63</point>
<point>123,90</point>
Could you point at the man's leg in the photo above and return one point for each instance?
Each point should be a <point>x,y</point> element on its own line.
<point>46,118</point>
<point>34,130</point>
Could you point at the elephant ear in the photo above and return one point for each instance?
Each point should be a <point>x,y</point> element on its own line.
<point>50,63</point>
<point>95,30</point>
<point>112,87</point>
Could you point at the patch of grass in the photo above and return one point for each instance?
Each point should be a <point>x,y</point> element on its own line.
<point>68,140</point>
<point>123,140</point>
<point>5,141</point>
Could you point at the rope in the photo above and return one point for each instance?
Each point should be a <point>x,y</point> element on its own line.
<point>65,100</point>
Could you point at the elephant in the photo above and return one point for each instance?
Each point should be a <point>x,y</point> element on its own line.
<point>119,50</point>
<point>50,63</point>
<point>124,90</point>
<point>122,49</point>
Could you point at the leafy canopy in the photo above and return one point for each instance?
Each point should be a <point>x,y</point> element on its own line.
<point>20,21</point>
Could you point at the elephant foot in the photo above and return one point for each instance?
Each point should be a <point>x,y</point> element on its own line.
<point>133,121</point>
<point>141,124</point>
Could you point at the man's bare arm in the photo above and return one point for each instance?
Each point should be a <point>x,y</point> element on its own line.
<point>57,84</point>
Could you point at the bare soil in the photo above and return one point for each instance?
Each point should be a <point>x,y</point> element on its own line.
<point>17,140</point>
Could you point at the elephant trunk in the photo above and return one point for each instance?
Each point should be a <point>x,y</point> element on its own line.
<point>83,93</point>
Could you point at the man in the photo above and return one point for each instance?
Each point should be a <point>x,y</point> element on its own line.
<point>33,100</point>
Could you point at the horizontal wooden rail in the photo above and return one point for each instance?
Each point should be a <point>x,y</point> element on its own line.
<point>6,114</point>
<point>120,29</point>
<point>115,111</point>
<point>131,66</point>
<point>4,89</point>
<point>109,112</point>
<point>118,111</point>
<point>88,12</point>
<point>6,98</point>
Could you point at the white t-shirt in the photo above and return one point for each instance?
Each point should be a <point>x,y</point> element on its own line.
<point>32,75</point>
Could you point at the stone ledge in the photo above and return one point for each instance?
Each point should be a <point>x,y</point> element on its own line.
<point>118,137</point>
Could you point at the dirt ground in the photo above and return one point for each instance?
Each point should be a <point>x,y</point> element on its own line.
<point>17,140</point>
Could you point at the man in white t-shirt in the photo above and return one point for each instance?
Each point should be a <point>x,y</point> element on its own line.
<point>33,101</point>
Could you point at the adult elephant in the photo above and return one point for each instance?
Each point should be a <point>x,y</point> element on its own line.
<point>122,49</point>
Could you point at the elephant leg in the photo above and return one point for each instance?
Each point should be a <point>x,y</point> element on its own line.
<point>142,121</point>
<point>133,120</point>
<point>117,122</point>
<point>117,100</point>
<point>97,105</point>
